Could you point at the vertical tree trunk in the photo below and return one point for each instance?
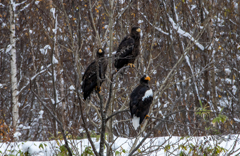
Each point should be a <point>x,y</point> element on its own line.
<point>15,107</point>
<point>54,76</point>
<point>210,33</point>
<point>110,110</point>
<point>238,90</point>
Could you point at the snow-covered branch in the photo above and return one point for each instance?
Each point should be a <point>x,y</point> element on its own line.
<point>157,28</point>
<point>184,33</point>
<point>32,78</point>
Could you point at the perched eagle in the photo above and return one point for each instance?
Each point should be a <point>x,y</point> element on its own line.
<point>128,49</point>
<point>140,101</point>
<point>89,79</point>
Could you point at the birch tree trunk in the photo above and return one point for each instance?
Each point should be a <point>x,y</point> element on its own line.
<point>15,107</point>
<point>59,71</point>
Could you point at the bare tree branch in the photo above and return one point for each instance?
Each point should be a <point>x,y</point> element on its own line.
<point>59,122</point>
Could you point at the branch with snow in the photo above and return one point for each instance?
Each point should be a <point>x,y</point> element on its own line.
<point>32,78</point>
<point>184,33</point>
<point>157,28</point>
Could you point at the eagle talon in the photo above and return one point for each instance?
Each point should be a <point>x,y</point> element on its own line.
<point>147,116</point>
<point>98,89</point>
<point>131,65</point>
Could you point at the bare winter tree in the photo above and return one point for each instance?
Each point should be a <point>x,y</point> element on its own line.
<point>15,106</point>
<point>190,49</point>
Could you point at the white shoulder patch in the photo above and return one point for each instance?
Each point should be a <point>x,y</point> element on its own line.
<point>147,94</point>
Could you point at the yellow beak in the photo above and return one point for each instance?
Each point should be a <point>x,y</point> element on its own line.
<point>138,30</point>
<point>147,78</point>
<point>100,50</point>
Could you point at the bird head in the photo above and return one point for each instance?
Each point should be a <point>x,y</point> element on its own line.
<point>100,52</point>
<point>145,79</point>
<point>135,30</point>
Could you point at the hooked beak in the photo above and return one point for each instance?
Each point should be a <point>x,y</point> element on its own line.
<point>138,30</point>
<point>147,78</point>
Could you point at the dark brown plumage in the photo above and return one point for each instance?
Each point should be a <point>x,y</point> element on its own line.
<point>89,79</point>
<point>128,49</point>
<point>140,101</point>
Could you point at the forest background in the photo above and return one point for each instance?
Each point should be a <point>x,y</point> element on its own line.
<point>189,48</point>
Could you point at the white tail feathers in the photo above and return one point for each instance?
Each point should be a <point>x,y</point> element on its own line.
<point>135,121</point>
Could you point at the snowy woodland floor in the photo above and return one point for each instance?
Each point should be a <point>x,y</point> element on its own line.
<point>222,145</point>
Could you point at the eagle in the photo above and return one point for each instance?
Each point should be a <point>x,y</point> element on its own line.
<point>128,49</point>
<point>140,100</point>
<point>89,79</point>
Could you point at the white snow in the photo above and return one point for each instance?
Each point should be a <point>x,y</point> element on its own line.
<point>25,7</point>
<point>50,148</point>
<point>208,92</point>
<point>114,52</point>
<point>121,1</point>
<point>40,114</point>
<point>135,122</point>
<point>157,28</point>
<point>154,72</point>
<point>2,5</point>
<point>234,89</point>
<point>53,12</point>
<point>238,120</point>
<point>193,7</point>
<point>147,94</point>
<point>9,47</point>
<point>36,2</point>
<point>140,21</point>
<point>228,81</point>
<point>17,134</point>
<point>26,127</point>
<point>238,47</point>
<point>185,34</point>
<point>55,61</point>
<point>227,70</point>
<point>238,57</point>
<point>44,50</point>
<point>1,85</point>
<point>72,87</point>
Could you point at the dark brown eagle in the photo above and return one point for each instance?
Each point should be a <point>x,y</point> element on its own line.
<point>89,79</point>
<point>140,101</point>
<point>128,49</point>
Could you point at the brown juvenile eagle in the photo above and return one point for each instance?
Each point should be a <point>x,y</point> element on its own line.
<point>140,101</point>
<point>89,79</point>
<point>128,49</point>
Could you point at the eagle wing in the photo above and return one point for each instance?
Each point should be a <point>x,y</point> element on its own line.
<point>90,71</point>
<point>124,52</point>
<point>89,79</point>
<point>136,98</point>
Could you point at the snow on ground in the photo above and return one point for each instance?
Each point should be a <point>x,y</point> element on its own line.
<point>162,145</point>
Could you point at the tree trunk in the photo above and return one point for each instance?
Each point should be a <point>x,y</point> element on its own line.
<point>210,33</point>
<point>15,106</point>
<point>110,110</point>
